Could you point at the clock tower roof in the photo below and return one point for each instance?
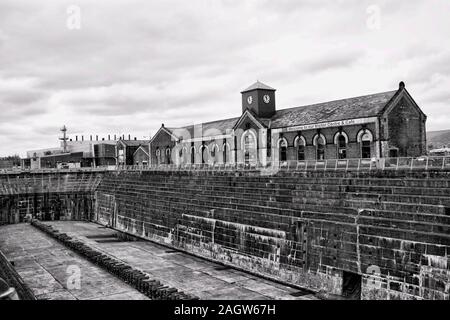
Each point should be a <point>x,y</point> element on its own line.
<point>258,85</point>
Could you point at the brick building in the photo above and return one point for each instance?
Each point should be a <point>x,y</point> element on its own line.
<point>125,150</point>
<point>10,162</point>
<point>141,156</point>
<point>387,124</point>
<point>78,153</point>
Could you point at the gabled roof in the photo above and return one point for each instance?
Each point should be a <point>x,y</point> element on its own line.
<point>372,105</point>
<point>144,148</point>
<point>352,108</point>
<point>258,85</point>
<point>169,131</point>
<point>249,114</point>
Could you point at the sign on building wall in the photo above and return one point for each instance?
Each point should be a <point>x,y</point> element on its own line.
<point>330,124</point>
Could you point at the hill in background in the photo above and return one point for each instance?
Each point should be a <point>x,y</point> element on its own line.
<point>438,139</point>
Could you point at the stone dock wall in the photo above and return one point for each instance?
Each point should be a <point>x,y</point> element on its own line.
<point>49,196</point>
<point>381,235</point>
<point>377,235</point>
<point>12,278</point>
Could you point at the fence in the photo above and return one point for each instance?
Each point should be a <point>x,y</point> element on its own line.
<point>424,163</point>
<point>420,163</point>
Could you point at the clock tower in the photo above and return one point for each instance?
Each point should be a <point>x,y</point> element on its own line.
<point>260,99</point>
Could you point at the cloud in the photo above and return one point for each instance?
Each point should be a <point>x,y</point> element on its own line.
<point>136,64</point>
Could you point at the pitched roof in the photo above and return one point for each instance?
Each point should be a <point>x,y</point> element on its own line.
<point>352,108</point>
<point>186,132</point>
<point>144,148</point>
<point>220,125</point>
<point>248,113</point>
<point>134,143</point>
<point>258,85</point>
<point>345,109</point>
<point>212,128</point>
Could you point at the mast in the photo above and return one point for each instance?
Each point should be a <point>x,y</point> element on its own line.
<point>64,138</point>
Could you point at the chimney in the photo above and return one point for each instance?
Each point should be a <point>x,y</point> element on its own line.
<point>82,138</point>
<point>135,138</point>
<point>401,85</point>
<point>76,138</point>
<point>109,137</point>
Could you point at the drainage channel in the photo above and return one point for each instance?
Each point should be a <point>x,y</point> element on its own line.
<point>152,288</point>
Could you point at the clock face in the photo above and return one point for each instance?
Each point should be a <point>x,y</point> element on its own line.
<point>249,99</point>
<point>266,98</point>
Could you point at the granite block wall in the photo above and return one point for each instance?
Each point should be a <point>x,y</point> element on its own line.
<point>378,235</point>
<point>47,196</point>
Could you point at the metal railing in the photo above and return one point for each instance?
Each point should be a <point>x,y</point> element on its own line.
<point>422,163</point>
<point>358,164</point>
<point>51,170</point>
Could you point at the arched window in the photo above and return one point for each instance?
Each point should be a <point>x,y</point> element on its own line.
<point>249,146</point>
<point>192,154</point>
<point>366,142</point>
<point>320,142</point>
<point>158,156</point>
<point>365,138</point>
<point>341,140</point>
<point>282,146</point>
<point>168,155</point>
<point>226,150</point>
<point>300,144</point>
<point>204,153</point>
<point>183,155</point>
<point>342,147</point>
<point>214,153</point>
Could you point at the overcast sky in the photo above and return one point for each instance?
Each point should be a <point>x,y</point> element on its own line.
<point>133,65</point>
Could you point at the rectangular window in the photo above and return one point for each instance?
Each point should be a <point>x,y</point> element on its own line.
<point>320,152</point>
<point>301,153</point>
<point>393,153</point>
<point>283,154</point>
<point>365,149</point>
<point>247,157</point>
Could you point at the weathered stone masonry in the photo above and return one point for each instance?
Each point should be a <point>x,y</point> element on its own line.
<point>50,196</point>
<point>389,230</point>
<point>378,235</point>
